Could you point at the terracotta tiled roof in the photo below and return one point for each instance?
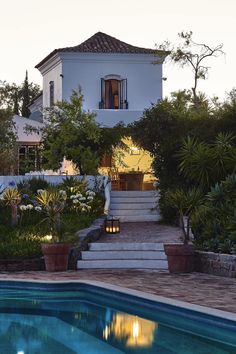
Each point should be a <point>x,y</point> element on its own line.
<point>101,43</point>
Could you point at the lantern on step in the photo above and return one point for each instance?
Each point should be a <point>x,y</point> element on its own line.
<point>112,225</point>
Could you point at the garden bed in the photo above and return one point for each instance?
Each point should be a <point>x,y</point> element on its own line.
<point>85,236</point>
<point>215,263</point>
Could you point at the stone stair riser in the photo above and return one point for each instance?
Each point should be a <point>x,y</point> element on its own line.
<point>130,206</point>
<point>126,246</point>
<point>143,255</point>
<point>123,264</point>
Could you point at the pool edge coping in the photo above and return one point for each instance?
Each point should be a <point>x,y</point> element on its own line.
<point>226,315</point>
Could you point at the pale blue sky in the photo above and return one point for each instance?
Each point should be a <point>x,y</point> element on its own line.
<point>30,29</point>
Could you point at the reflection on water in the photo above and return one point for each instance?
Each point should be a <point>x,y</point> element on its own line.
<point>133,330</point>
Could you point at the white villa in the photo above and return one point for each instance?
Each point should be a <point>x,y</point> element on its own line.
<point>118,82</point>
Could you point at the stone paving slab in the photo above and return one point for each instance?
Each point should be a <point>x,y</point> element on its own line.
<point>144,232</point>
<point>197,288</point>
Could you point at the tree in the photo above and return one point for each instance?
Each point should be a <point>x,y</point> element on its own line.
<point>25,97</point>
<point>72,133</point>
<point>164,126</point>
<point>7,143</point>
<point>15,98</point>
<point>190,53</point>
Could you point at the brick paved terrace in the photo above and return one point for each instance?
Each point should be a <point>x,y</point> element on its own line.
<point>197,288</point>
<point>201,289</point>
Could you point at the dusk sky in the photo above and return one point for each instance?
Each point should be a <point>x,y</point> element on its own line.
<point>30,30</point>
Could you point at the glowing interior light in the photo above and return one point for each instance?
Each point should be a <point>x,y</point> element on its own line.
<point>106,333</point>
<point>135,329</point>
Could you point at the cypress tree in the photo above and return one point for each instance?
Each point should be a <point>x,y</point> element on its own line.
<point>25,97</point>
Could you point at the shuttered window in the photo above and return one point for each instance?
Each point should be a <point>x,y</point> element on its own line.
<point>113,94</point>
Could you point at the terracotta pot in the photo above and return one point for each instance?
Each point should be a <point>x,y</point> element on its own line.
<point>56,256</point>
<point>180,258</point>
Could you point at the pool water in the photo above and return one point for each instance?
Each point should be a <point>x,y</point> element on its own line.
<point>79,318</point>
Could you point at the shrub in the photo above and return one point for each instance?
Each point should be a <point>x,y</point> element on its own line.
<point>32,185</point>
<point>214,223</point>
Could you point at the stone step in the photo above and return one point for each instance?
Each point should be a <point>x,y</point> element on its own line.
<point>138,218</point>
<point>133,194</point>
<point>124,264</point>
<point>105,255</point>
<point>133,212</point>
<point>126,246</point>
<point>133,200</point>
<point>132,206</point>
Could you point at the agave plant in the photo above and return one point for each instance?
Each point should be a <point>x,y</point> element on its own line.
<point>52,203</point>
<point>12,197</point>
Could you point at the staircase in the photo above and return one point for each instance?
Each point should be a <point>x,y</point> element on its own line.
<point>134,206</point>
<point>124,255</point>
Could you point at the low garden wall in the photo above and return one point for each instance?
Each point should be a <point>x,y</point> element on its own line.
<point>215,263</point>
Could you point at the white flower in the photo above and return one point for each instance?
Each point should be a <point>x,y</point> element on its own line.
<point>90,197</point>
<point>75,201</point>
<point>82,198</point>
<point>23,207</point>
<point>38,208</point>
<point>79,195</point>
<point>62,193</point>
<point>39,191</point>
<point>90,193</point>
<point>29,207</point>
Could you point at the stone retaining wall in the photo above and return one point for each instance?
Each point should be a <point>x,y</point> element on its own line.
<point>18,265</point>
<point>216,263</point>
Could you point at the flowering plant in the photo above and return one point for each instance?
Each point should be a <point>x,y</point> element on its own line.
<point>52,204</point>
<point>82,201</point>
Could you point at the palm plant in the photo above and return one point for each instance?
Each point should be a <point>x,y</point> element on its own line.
<point>52,203</point>
<point>12,197</point>
<point>185,202</point>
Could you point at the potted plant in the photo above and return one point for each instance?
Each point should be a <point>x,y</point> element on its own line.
<point>56,251</point>
<point>180,256</point>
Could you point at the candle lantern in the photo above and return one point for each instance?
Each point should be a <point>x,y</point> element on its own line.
<point>112,225</point>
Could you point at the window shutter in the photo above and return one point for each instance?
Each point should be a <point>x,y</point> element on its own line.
<point>51,93</point>
<point>123,95</point>
<point>102,102</point>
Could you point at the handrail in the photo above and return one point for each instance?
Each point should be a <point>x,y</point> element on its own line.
<point>107,193</point>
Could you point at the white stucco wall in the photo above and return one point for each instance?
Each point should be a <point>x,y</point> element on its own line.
<point>20,125</point>
<point>144,80</point>
<point>71,70</point>
<point>52,71</point>
<point>37,104</point>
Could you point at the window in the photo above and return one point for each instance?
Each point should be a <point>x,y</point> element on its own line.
<point>113,93</point>
<point>51,93</point>
<point>28,159</point>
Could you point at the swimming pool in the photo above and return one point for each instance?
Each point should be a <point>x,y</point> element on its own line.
<point>78,318</point>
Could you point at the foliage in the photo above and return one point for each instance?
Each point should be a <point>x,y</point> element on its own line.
<point>14,97</point>
<point>185,203</point>
<point>25,97</point>
<point>214,223</point>
<point>7,143</point>
<point>192,54</point>
<point>32,185</point>
<point>174,124</point>
<point>47,212</point>
<point>205,164</point>
<point>71,132</point>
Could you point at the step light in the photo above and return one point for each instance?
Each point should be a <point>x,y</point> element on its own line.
<point>112,225</point>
